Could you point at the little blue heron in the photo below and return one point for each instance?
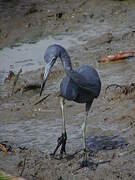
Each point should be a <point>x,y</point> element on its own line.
<point>81,85</point>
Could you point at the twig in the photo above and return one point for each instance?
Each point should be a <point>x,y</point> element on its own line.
<point>36,171</point>
<point>27,87</point>
<point>82,4</point>
<point>23,168</point>
<point>16,79</point>
<point>31,86</point>
<point>39,101</point>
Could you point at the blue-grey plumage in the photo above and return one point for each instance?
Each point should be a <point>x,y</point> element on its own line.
<point>82,88</point>
<point>84,78</point>
<point>81,85</point>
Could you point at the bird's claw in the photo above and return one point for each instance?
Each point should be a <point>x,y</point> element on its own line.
<point>88,163</point>
<point>85,162</point>
<point>61,142</point>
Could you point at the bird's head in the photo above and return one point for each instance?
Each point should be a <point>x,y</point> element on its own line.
<point>50,58</point>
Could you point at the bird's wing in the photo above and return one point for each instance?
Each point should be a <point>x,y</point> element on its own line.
<point>68,88</point>
<point>93,85</point>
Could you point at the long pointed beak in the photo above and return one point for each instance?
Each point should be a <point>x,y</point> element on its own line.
<point>46,74</point>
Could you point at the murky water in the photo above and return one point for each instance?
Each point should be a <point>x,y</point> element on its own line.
<point>30,56</point>
<point>38,134</point>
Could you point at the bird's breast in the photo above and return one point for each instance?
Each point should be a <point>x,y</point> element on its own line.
<point>68,89</point>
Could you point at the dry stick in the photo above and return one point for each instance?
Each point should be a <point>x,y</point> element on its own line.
<point>82,4</point>
<point>36,171</point>
<point>28,87</point>
<point>31,86</point>
<point>15,81</point>
<point>23,168</point>
<point>39,101</point>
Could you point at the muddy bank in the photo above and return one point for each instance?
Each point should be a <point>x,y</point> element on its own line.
<point>30,132</point>
<point>23,21</point>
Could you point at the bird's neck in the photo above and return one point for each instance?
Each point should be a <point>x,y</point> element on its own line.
<point>66,61</point>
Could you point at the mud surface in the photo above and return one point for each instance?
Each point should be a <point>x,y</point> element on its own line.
<point>88,29</point>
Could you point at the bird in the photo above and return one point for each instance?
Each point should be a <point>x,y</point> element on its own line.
<point>81,85</point>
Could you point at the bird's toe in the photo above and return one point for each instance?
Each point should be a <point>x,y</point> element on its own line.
<point>61,142</point>
<point>87,163</point>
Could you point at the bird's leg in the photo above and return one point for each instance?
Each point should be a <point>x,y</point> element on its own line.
<point>64,134</point>
<point>62,140</point>
<point>85,160</point>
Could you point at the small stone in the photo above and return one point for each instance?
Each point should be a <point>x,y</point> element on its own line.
<point>59,15</point>
<point>28,25</point>
<point>91,15</point>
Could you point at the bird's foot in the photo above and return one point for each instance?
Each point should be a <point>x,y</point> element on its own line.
<point>63,149</point>
<point>86,162</point>
<point>61,142</point>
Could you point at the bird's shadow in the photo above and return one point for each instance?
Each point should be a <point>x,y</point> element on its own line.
<point>103,143</point>
<point>68,157</point>
<point>98,143</point>
<point>94,145</point>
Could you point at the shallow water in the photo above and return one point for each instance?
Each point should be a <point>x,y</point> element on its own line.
<point>37,134</point>
<point>29,56</point>
<point>43,135</point>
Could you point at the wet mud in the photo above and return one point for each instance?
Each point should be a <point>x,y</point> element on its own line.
<point>88,30</point>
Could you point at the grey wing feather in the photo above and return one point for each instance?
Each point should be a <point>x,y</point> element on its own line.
<point>87,78</point>
<point>68,88</point>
